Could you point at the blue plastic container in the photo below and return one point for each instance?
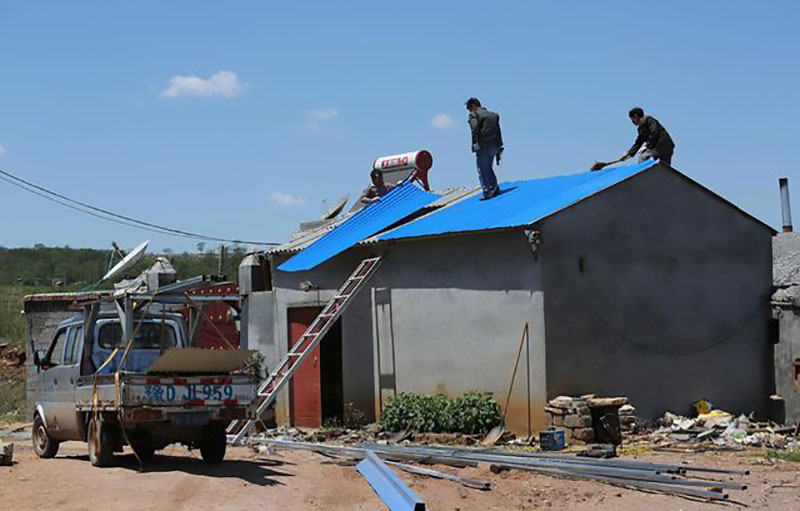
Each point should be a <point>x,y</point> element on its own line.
<point>551,439</point>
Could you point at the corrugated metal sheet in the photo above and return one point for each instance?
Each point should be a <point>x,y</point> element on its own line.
<point>304,239</point>
<point>521,203</point>
<point>393,207</point>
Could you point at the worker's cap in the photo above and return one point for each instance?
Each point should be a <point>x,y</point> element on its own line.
<point>473,101</point>
<point>376,173</point>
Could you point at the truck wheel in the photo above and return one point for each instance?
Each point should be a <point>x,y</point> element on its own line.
<point>43,445</point>
<point>101,442</point>
<point>213,444</point>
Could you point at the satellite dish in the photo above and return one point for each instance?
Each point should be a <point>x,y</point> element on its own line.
<point>129,260</point>
<point>336,209</point>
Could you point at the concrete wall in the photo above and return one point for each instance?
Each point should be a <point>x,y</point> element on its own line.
<point>787,351</point>
<point>441,315</point>
<point>41,322</point>
<point>659,291</point>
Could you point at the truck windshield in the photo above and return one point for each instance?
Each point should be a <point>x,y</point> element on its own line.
<point>150,335</point>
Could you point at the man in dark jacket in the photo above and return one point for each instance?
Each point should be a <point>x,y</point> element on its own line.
<point>373,192</point>
<point>659,145</point>
<point>487,144</point>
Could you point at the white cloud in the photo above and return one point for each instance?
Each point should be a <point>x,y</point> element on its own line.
<point>318,119</point>
<point>442,121</point>
<point>323,114</point>
<point>2,150</point>
<point>286,199</point>
<point>223,83</point>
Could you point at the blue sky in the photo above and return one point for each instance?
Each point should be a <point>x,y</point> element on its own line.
<point>290,104</point>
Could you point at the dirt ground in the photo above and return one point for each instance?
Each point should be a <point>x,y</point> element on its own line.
<point>289,480</point>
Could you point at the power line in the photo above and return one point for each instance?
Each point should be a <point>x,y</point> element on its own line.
<point>111,216</point>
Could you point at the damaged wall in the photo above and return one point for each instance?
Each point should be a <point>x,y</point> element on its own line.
<point>658,291</point>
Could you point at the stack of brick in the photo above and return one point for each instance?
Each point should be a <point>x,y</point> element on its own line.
<point>627,418</point>
<point>573,415</point>
<point>577,415</point>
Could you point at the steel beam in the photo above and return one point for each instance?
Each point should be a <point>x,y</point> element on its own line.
<point>394,493</point>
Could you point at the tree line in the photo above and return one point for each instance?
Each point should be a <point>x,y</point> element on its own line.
<point>68,267</point>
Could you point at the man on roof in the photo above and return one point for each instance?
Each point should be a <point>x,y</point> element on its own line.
<point>487,144</point>
<point>658,143</point>
<point>375,191</point>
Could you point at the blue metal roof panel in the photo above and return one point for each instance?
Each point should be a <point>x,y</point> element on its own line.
<point>402,201</point>
<point>521,203</point>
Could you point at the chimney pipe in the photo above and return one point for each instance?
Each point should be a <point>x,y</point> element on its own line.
<point>786,210</point>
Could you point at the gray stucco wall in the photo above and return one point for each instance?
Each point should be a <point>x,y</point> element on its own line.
<point>658,291</point>
<point>440,315</point>
<point>787,351</point>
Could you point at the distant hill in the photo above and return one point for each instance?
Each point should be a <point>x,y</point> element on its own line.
<point>42,266</point>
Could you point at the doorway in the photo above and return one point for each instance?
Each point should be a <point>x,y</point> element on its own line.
<point>315,391</point>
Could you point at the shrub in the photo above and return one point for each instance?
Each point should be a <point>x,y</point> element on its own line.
<point>475,412</point>
<point>472,412</point>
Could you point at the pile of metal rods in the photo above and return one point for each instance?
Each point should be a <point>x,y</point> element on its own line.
<point>655,477</point>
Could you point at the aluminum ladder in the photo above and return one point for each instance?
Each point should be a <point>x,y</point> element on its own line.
<point>286,368</point>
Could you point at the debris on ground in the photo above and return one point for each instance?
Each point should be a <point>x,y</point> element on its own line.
<point>719,429</point>
<point>6,454</point>
<point>651,477</point>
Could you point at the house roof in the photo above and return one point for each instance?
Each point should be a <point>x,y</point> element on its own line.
<point>404,200</point>
<point>520,203</point>
<point>409,212</point>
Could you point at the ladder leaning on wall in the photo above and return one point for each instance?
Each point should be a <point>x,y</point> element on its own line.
<point>283,372</point>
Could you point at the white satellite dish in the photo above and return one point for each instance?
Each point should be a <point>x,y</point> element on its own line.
<point>336,209</point>
<point>129,260</point>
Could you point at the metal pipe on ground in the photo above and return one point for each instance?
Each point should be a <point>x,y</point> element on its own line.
<point>478,484</point>
<point>501,456</point>
<point>639,475</point>
<point>629,483</point>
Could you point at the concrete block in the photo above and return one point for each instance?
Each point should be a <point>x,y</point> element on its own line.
<point>602,402</point>
<point>583,434</point>
<point>562,402</point>
<point>578,421</point>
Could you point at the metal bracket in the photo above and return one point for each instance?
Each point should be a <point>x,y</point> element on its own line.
<point>389,487</point>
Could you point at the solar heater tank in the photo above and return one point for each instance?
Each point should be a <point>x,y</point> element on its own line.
<point>398,167</point>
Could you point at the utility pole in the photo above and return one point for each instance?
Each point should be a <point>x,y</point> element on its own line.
<point>221,265</point>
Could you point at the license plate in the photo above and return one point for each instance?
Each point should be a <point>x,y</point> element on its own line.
<point>171,394</point>
<point>189,418</point>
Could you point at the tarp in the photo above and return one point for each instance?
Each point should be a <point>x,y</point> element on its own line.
<point>404,200</point>
<point>520,203</point>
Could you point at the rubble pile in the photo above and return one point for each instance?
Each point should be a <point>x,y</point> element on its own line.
<point>719,428</point>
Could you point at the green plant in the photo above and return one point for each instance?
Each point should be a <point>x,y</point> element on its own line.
<point>792,456</point>
<point>353,417</point>
<point>472,412</point>
<point>475,412</point>
<point>256,366</point>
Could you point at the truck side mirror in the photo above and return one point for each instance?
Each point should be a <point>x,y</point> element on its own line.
<point>38,357</point>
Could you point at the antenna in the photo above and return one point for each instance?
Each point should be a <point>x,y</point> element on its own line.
<point>336,209</point>
<point>129,260</point>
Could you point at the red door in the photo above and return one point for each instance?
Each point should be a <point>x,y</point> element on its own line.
<point>305,388</point>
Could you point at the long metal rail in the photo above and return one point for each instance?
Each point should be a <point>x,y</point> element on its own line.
<point>640,475</point>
